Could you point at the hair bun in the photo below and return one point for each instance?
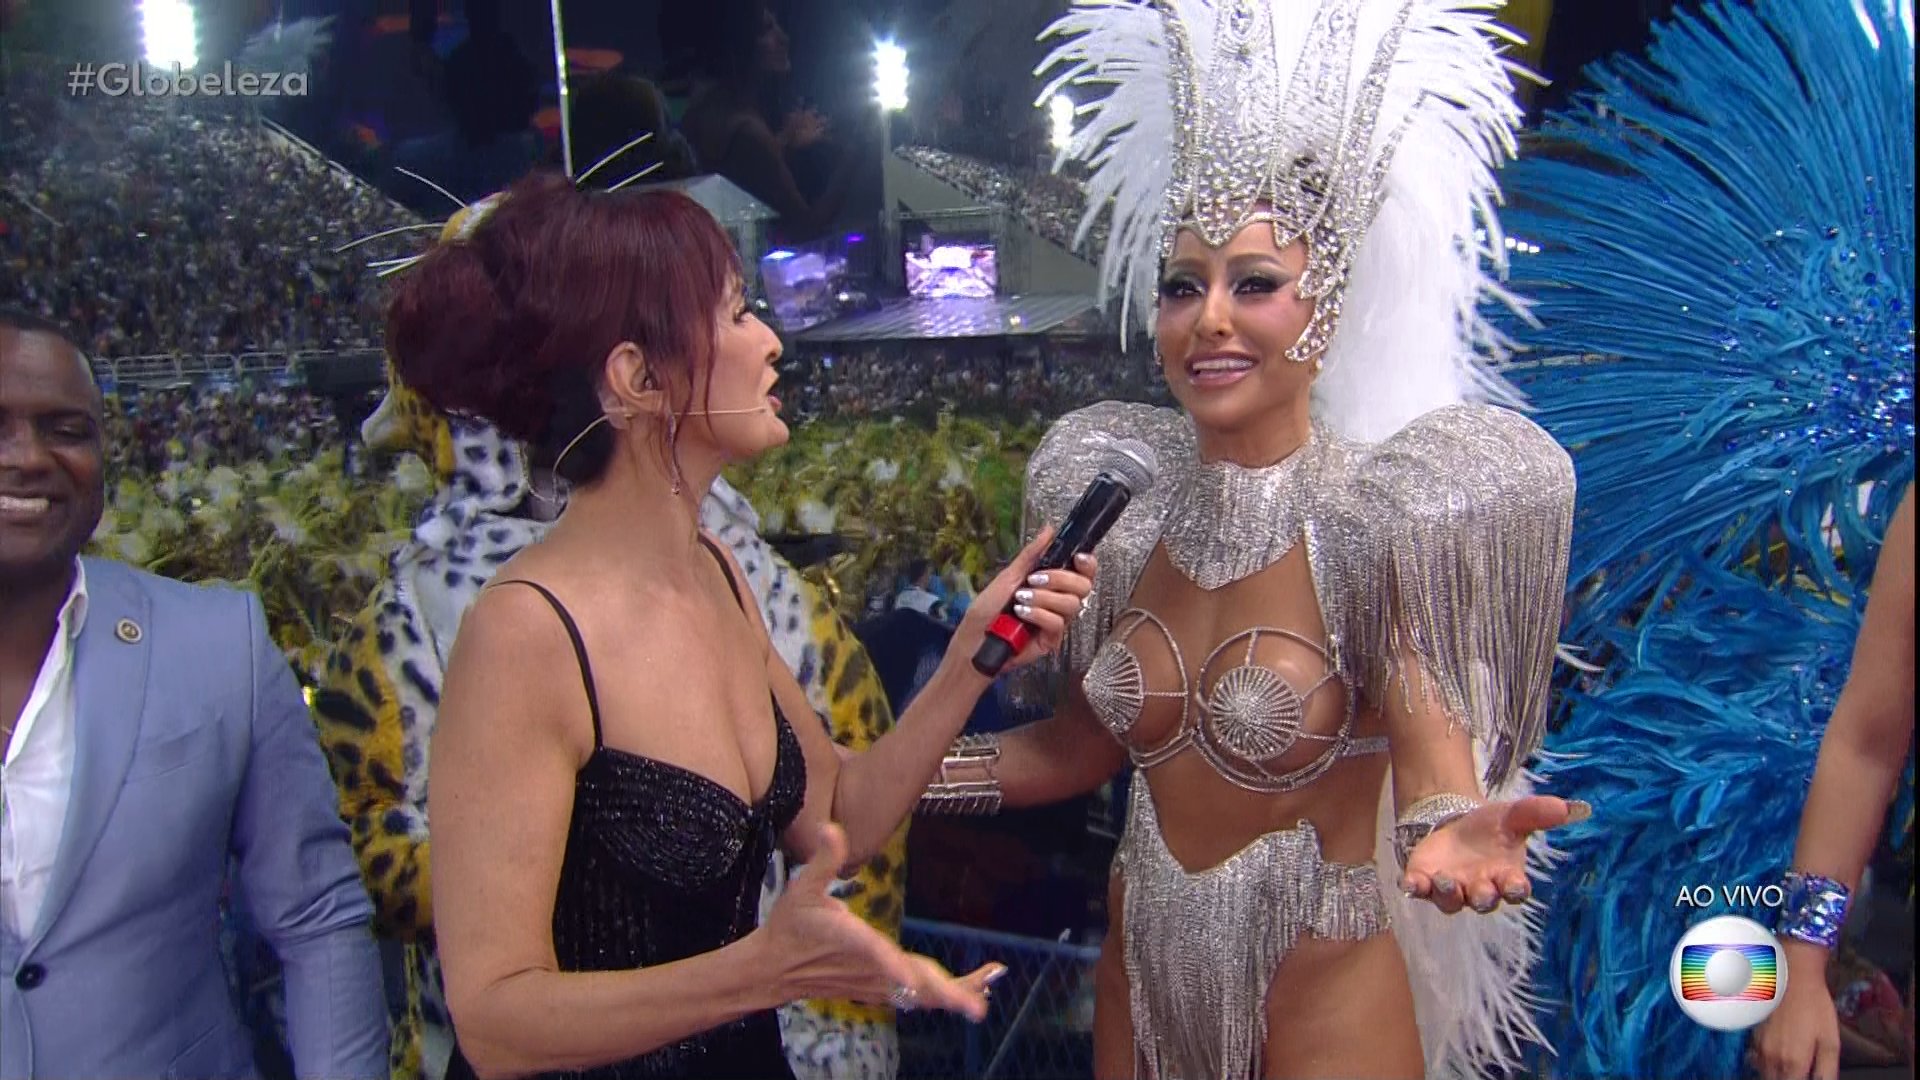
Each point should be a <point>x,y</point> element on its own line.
<point>513,324</point>
<point>460,337</point>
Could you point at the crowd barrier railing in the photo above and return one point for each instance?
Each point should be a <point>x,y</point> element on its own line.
<point>170,368</point>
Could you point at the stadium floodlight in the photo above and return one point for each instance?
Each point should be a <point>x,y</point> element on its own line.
<point>890,76</point>
<point>169,32</point>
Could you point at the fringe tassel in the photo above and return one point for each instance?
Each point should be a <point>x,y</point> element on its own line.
<point>1466,518</point>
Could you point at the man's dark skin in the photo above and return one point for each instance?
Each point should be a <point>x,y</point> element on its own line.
<point>50,449</point>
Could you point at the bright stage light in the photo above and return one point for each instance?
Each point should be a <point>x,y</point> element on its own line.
<point>1060,114</point>
<point>890,76</point>
<point>171,38</point>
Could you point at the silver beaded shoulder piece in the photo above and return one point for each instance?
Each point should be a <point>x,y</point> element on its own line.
<point>1059,470</point>
<point>1463,523</point>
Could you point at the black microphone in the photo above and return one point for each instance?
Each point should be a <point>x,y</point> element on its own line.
<point>1129,470</point>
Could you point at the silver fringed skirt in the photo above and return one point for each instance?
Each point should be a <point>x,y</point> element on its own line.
<point>1202,948</point>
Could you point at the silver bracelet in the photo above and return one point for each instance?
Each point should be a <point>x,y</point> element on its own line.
<point>1420,820</point>
<point>949,796</point>
<point>1815,910</point>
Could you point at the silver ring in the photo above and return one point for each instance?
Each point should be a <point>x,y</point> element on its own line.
<point>903,998</point>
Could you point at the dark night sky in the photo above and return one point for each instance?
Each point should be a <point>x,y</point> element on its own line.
<point>369,77</point>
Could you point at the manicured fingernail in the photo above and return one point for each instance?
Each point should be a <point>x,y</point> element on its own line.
<point>1516,896</point>
<point>1083,559</point>
<point>1038,581</point>
<point>996,975</point>
<point>1578,810</point>
<point>1023,596</point>
<point>1021,611</point>
<point>1442,884</point>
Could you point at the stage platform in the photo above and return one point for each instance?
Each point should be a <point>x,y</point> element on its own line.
<point>935,320</point>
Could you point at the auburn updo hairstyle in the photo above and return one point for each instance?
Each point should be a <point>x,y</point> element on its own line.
<point>513,323</point>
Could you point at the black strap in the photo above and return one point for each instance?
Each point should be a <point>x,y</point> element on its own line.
<point>579,649</point>
<point>727,570</point>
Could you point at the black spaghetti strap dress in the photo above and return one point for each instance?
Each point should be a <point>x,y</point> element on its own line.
<point>663,864</point>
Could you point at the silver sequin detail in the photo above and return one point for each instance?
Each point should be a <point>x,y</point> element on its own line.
<point>1308,153</point>
<point>1250,716</point>
<point>1198,994</point>
<point>1447,542</point>
<point>1230,522</point>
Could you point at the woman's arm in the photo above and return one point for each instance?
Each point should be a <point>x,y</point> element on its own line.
<point>1047,761</point>
<point>1866,741</point>
<point>1860,760</point>
<point>870,793</point>
<point>1457,849</point>
<point>506,750</point>
<point>756,161</point>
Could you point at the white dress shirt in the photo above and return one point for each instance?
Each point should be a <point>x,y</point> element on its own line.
<point>37,778</point>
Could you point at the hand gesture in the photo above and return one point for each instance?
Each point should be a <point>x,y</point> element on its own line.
<point>1480,858</point>
<point>823,950</point>
<point>803,127</point>
<point>1047,602</point>
<point>1802,1037</point>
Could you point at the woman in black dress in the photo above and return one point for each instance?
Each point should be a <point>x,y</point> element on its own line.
<point>619,748</point>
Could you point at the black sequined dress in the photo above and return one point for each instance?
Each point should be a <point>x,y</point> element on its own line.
<point>663,864</point>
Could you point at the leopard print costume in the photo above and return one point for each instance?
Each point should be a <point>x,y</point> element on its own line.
<point>380,689</point>
<point>824,1040</point>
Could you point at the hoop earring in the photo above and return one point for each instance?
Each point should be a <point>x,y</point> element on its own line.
<point>603,418</point>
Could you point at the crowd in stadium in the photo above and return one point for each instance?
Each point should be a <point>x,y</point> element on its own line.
<point>155,429</point>
<point>1051,204</point>
<point>166,226</point>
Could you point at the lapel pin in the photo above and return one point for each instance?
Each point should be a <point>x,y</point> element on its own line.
<point>128,631</point>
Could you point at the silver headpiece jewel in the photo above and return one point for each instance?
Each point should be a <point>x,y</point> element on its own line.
<point>1335,121</point>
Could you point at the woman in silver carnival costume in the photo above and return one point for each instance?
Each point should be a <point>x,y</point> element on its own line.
<point>1325,637</point>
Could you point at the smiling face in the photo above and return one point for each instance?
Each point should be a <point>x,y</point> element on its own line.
<point>51,464</point>
<point>1227,317</point>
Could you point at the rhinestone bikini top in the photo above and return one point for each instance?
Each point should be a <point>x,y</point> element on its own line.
<point>1248,716</point>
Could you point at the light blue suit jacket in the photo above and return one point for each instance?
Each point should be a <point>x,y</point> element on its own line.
<point>192,748</point>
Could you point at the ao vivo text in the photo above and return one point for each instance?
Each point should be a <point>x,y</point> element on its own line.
<point>1732,896</point>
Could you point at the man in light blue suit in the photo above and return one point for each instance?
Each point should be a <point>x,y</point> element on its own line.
<point>154,736</point>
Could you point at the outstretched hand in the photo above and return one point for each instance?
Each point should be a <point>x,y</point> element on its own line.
<point>1480,858</point>
<point>823,950</point>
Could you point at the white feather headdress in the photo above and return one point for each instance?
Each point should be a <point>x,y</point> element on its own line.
<point>1371,129</point>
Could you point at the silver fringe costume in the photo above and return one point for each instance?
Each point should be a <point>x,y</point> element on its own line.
<point>1450,537</point>
<point>1436,524</point>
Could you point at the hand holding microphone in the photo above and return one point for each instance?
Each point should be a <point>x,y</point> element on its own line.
<point>1026,609</point>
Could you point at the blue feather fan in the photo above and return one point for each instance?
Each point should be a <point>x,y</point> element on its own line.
<point>1727,229</point>
<point>1724,289</point>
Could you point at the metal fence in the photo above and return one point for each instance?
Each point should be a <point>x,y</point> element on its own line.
<point>166,369</point>
<point>1040,1025</point>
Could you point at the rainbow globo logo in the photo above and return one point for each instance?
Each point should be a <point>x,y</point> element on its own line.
<point>1728,973</point>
